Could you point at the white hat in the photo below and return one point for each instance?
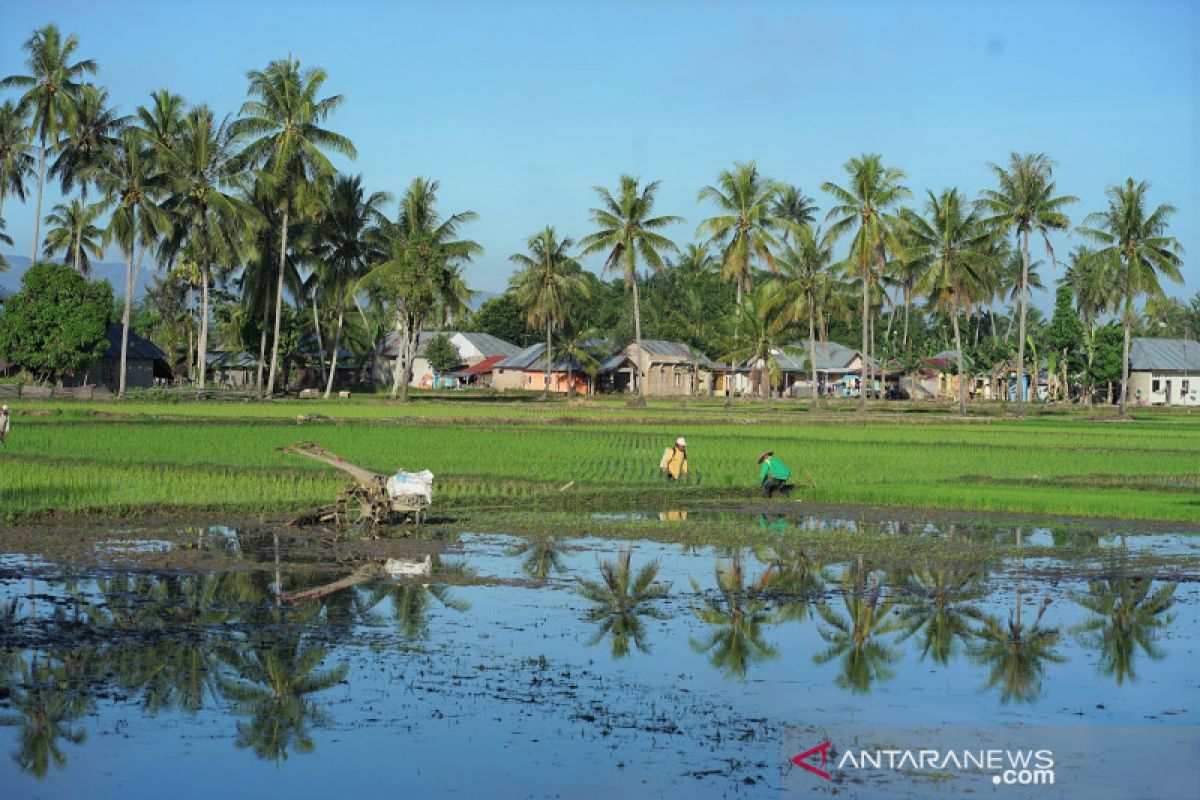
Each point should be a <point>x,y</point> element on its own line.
<point>680,442</point>
<point>5,408</point>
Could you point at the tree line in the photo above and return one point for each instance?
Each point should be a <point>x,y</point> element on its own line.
<point>261,236</point>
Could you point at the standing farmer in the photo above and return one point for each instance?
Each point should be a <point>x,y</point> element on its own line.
<point>773,475</point>
<point>674,465</point>
<point>4,423</point>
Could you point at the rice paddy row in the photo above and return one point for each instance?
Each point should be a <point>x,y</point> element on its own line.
<point>154,457</point>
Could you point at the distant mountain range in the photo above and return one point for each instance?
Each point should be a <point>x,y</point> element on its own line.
<point>112,271</point>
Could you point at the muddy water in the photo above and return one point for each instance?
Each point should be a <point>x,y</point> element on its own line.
<point>501,666</point>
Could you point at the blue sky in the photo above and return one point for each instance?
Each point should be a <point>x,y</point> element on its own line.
<point>520,108</point>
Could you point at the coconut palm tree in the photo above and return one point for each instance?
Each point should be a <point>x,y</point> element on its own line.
<point>16,162</point>
<point>344,244</point>
<point>863,208</point>
<point>952,247</point>
<point>628,235</point>
<point>52,90</point>
<point>1096,293</point>
<point>1025,203</point>
<point>90,135</point>
<point>422,273</point>
<point>162,120</point>
<point>1135,249</point>
<point>738,613</point>
<point>794,206</point>
<point>133,188</point>
<point>211,220</point>
<point>286,115</point>
<point>745,227</point>
<point>759,335</point>
<point>620,599</point>
<point>805,267</point>
<point>72,231</point>
<point>542,555</point>
<point>548,282</point>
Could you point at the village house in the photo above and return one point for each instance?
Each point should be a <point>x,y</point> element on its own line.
<point>671,369</point>
<point>526,370</point>
<point>835,363</point>
<point>1164,372</point>
<point>473,348</point>
<point>145,364</point>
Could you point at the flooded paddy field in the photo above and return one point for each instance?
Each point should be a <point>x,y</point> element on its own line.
<point>564,663</point>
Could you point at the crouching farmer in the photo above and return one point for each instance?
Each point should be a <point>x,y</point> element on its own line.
<point>773,475</point>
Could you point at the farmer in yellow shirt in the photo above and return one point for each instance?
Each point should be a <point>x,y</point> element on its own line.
<point>674,465</point>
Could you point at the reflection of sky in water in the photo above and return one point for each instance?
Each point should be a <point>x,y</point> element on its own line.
<point>507,698</point>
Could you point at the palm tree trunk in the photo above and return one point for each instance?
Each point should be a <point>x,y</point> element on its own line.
<point>549,361</point>
<point>1021,341</point>
<point>1087,377</point>
<point>814,399</point>
<point>907,303</point>
<point>1125,353</point>
<point>413,337</point>
<point>401,344</point>
<point>262,343</point>
<point>866,304</point>
<point>962,384</point>
<point>202,339</point>
<point>125,314</point>
<point>278,302</point>
<point>637,335</point>
<point>320,341</point>
<point>78,237</point>
<point>337,345</point>
<point>37,209</point>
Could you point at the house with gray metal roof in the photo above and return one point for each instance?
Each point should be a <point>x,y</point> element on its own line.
<point>1164,372</point>
<point>473,348</point>
<point>670,368</point>
<point>145,364</point>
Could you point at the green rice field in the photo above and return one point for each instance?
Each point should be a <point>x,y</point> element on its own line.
<point>139,458</point>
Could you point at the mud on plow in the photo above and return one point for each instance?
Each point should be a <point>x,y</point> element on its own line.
<point>372,500</point>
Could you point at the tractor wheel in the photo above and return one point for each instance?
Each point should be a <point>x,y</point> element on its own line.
<point>356,511</point>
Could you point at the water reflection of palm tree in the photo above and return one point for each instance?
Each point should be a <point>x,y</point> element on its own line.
<point>938,603</point>
<point>855,638</point>
<point>620,600</point>
<point>738,614</point>
<point>411,601</point>
<point>543,555</point>
<point>1017,654</point>
<point>1126,616</point>
<point>792,580</point>
<point>47,706</point>
<point>274,680</point>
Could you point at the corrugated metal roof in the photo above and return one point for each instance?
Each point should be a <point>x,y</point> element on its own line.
<point>1179,355</point>
<point>524,359</point>
<point>612,363</point>
<point>139,347</point>
<point>673,351</point>
<point>490,345</point>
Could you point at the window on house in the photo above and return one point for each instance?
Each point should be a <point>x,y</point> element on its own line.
<point>1183,388</point>
<point>1155,386</point>
<point>678,379</point>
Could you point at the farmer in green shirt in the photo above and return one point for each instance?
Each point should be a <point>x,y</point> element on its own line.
<point>773,475</point>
